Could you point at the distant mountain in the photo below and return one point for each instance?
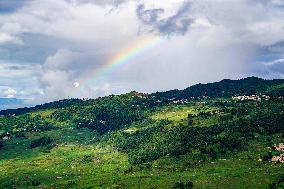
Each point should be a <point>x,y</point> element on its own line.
<point>8,103</point>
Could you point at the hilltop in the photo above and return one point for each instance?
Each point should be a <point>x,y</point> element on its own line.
<point>218,135</point>
<point>225,88</point>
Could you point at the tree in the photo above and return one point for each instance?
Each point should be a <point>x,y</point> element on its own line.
<point>190,119</point>
<point>190,122</point>
<point>43,141</point>
<point>181,185</point>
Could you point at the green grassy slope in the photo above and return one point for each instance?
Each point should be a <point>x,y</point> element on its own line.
<point>144,141</point>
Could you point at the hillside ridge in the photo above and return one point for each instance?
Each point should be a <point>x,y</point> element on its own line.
<point>223,88</point>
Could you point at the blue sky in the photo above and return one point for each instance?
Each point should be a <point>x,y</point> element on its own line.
<point>48,46</point>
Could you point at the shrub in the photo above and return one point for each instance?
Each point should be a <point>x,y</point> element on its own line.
<point>20,135</point>
<point>165,122</point>
<point>87,158</point>
<point>190,122</point>
<point>1,144</point>
<point>181,185</point>
<point>43,141</point>
<point>34,183</point>
<point>267,156</point>
<point>38,126</point>
<point>279,183</point>
<point>225,117</point>
<point>46,127</point>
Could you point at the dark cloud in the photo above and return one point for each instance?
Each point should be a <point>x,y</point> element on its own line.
<point>277,47</point>
<point>7,6</point>
<point>148,16</point>
<point>175,24</point>
<point>277,66</point>
<point>271,58</point>
<point>35,48</point>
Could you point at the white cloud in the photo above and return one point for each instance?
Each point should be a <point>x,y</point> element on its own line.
<point>76,84</point>
<point>10,93</point>
<point>20,77</point>
<point>7,38</point>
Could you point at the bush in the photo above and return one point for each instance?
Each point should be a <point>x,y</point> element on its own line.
<point>87,158</point>
<point>46,127</point>
<point>278,184</point>
<point>1,144</point>
<point>39,126</point>
<point>34,183</point>
<point>267,156</point>
<point>226,117</point>
<point>181,185</point>
<point>43,141</point>
<point>20,135</point>
<point>190,122</point>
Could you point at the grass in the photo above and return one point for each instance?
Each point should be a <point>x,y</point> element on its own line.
<point>79,160</point>
<point>174,113</point>
<point>91,166</point>
<point>43,113</point>
<point>61,165</point>
<point>179,114</point>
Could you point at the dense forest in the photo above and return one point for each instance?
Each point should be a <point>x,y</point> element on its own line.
<point>219,131</point>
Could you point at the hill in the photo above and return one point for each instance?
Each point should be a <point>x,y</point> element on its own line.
<point>199,137</point>
<point>225,88</point>
<point>228,88</point>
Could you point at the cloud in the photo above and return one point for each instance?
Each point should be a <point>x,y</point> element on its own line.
<point>56,84</point>
<point>21,77</point>
<point>276,66</point>
<point>277,48</point>
<point>148,16</point>
<point>7,38</point>
<point>174,24</point>
<point>76,84</point>
<point>10,93</point>
<point>62,72</point>
<point>114,3</point>
<point>7,6</point>
<point>46,46</point>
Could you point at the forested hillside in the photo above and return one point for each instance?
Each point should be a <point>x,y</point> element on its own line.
<point>228,88</point>
<point>226,134</point>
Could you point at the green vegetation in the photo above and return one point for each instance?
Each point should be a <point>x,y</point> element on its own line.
<point>42,141</point>
<point>195,138</point>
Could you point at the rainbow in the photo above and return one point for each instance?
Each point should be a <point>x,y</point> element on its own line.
<point>125,56</point>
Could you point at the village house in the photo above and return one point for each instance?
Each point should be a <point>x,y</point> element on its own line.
<point>280,158</point>
<point>251,97</point>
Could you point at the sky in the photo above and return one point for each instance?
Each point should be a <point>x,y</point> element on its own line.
<point>56,49</point>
